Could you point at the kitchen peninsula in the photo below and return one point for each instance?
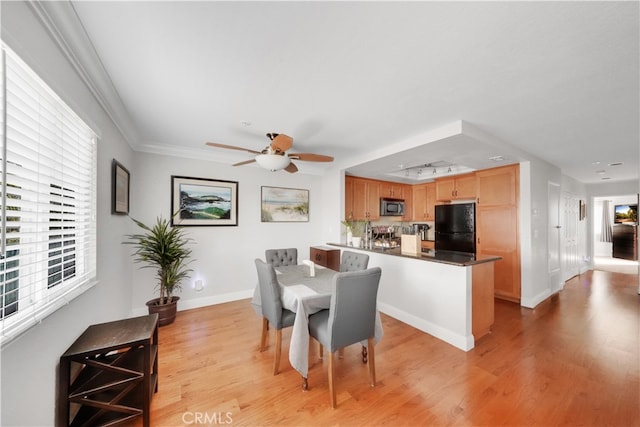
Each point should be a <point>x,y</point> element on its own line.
<point>446,294</point>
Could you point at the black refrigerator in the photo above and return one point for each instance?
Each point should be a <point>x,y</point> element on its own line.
<point>456,227</point>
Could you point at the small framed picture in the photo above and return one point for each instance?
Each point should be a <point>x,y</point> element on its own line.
<point>583,210</point>
<point>284,205</point>
<point>119,189</point>
<point>203,201</point>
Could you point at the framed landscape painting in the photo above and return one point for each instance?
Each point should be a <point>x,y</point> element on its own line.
<point>202,201</point>
<point>284,205</point>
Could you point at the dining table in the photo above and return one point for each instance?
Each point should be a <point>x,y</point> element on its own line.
<point>305,290</point>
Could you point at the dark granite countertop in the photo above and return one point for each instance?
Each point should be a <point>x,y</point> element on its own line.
<point>446,257</point>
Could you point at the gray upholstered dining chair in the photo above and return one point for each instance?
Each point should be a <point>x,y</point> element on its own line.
<point>280,257</point>
<point>353,261</point>
<point>350,318</point>
<point>272,311</point>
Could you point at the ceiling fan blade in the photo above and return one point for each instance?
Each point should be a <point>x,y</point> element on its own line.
<point>246,162</point>
<point>310,157</point>
<point>231,147</point>
<point>291,168</point>
<point>281,142</point>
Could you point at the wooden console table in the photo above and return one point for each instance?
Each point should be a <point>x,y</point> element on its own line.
<point>109,373</point>
<point>325,256</point>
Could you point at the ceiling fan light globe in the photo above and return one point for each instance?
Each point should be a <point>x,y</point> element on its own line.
<point>273,162</point>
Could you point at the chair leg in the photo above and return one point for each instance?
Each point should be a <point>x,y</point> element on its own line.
<point>276,364</point>
<point>265,332</point>
<point>320,350</point>
<point>372,361</point>
<point>332,390</point>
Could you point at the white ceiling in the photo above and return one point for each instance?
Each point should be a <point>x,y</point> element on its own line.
<point>558,80</point>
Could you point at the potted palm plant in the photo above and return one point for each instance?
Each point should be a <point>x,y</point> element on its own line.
<point>164,248</point>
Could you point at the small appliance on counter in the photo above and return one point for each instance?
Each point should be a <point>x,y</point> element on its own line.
<point>421,230</point>
<point>456,227</point>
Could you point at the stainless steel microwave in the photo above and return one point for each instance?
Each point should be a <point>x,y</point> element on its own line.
<point>391,207</point>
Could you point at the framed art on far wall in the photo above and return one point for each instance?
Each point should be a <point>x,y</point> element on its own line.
<point>203,201</point>
<point>284,205</point>
<point>119,189</point>
<point>583,210</point>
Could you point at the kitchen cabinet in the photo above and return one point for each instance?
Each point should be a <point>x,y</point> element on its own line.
<point>348,197</point>
<point>109,373</point>
<point>424,199</point>
<point>325,256</point>
<point>497,230</point>
<point>461,187</point>
<point>408,204</point>
<point>364,200</point>
<point>428,244</point>
<point>497,186</point>
<point>393,190</point>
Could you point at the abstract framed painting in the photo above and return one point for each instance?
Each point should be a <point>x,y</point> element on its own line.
<point>203,201</point>
<point>280,204</point>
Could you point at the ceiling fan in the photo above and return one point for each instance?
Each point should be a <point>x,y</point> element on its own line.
<point>274,157</point>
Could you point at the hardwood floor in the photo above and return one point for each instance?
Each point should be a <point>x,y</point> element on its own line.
<point>574,360</point>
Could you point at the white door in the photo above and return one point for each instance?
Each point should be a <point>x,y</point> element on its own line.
<point>553,256</point>
<point>569,235</point>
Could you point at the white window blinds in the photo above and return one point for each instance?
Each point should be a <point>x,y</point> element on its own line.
<point>48,201</point>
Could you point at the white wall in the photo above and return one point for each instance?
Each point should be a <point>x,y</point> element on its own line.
<point>29,364</point>
<point>534,224</point>
<point>223,256</point>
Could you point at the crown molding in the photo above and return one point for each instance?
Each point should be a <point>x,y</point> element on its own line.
<point>63,24</point>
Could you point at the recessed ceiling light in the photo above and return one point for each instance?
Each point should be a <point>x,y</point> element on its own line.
<point>245,123</point>
<point>601,172</point>
<point>615,164</point>
<point>595,163</point>
<point>605,177</point>
<point>497,158</point>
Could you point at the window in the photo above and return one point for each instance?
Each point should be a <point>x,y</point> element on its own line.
<point>47,201</point>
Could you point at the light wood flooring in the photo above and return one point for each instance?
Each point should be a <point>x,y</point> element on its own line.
<point>574,360</point>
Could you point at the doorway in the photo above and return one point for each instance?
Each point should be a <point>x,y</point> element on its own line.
<point>603,258</point>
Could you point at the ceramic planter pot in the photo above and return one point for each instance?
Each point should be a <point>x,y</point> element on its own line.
<point>166,312</point>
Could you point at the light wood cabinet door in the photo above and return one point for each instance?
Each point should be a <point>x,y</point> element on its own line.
<point>445,189</point>
<point>392,190</point>
<point>419,207</point>
<point>456,188</point>
<point>431,201</point>
<point>466,187</point>
<point>498,186</point>
<point>362,198</point>
<point>497,234</point>
<point>373,200</point>
<point>497,228</point>
<point>424,200</point>
<point>408,203</point>
<point>348,197</point>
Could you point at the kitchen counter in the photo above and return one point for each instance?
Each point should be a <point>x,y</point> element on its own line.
<point>446,294</point>
<point>446,257</point>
